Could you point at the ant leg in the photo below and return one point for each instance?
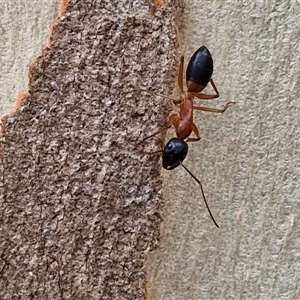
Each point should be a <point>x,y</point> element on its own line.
<point>210,97</point>
<point>207,96</point>
<point>173,120</point>
<point>150,153</point>
<point>180,74</point>
<point>196,131</point>
<point>181,64</point>
<point>179,40</point>
<point>214,110</point>
<point>152,135</point>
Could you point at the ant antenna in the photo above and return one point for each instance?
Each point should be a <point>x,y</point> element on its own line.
<point>149,153</point>
<point>206,204</point>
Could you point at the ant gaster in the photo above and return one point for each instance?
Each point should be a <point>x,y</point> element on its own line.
<point>198,75</point>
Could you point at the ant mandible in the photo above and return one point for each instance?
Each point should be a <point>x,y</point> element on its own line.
<point>198,75</point>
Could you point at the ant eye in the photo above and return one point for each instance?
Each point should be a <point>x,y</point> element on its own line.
<point>170,146</point>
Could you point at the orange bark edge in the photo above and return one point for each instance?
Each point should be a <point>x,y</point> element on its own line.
<point>158,3</point>
<point>62,10</point>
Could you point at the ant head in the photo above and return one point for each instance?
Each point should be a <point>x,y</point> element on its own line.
<point>174,153</point>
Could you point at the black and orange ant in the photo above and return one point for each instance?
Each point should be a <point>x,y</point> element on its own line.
<point>198,75</point>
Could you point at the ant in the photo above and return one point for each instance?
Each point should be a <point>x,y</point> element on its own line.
<point>198,75</point>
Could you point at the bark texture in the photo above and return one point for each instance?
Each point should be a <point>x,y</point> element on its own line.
<point>80,209</point>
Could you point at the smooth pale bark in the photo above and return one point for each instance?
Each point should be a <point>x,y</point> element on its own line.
<point>24,29</point>
<point>248,161</point>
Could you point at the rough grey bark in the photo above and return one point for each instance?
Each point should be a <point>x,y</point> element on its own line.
<point>80,209</point>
